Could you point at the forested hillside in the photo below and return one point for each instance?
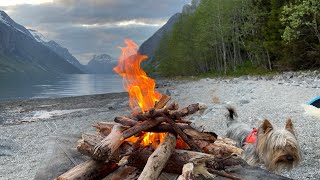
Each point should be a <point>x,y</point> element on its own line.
<point>239,36</point>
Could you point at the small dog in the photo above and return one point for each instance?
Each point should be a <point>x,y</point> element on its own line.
<point>277,149</point>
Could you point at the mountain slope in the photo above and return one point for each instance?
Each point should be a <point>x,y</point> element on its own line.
<point>57,48</point>
<point>101,64</point>
<point>151,44</point>
<point>20,52</point>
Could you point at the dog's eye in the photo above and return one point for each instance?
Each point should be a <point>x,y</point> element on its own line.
<point>290,158</point>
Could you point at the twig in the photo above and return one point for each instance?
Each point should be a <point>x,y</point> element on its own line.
<point>183,136</point>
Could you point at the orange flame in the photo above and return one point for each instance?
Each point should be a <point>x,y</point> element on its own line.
<point>139,86</point>
<point>153,139</point>
<point>149,139</point>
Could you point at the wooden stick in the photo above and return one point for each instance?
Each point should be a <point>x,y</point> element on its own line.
<point>141,127</point>
<point>220,146</point>
<point>124,172</point>
<point>124,121</point>
<point>173,106</point>
<point>152,113</point>
<point>105,149</point>
<point>162,102</point>
<point>183,136</point>
<point>158,158</point>
<point>183,121</point>
<point>89,170</point>
<point>191,109</point>
<point>173,165</point>
<point>187,172</point>
<point>173,114</point>
<point>87,143</point>
<point>210,137</point>
<point>130,122</point>
<point>111,143</point>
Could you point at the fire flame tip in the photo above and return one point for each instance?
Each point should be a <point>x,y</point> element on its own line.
<point>139,86</point>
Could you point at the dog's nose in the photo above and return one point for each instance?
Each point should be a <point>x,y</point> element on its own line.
<point>289,158</point>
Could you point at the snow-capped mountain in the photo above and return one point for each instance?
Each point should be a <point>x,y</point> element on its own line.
<point>21,52</point>
<point>38,36</point>
<point>101,64</point>
<point>6,20</point>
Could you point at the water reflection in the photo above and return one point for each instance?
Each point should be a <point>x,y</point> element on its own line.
<point>21,87</point>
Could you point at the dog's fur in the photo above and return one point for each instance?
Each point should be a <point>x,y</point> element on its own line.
<point>277,149</point>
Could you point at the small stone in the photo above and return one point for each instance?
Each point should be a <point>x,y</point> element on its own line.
<point>244,101</point>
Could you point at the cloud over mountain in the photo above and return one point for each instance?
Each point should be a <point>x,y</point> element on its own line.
<point>88,27</point>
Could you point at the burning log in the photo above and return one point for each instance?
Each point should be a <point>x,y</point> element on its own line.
<point>141,127</point>
<point>157,160</point>
<point>104,150</point>
<point>130,122</point>
<point>182,134</point>
<point>162,102</point>
<point>173,114</point>
<point>179,158</point>
<point>89,170</point>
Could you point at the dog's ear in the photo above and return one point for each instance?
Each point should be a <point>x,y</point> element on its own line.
<point>266,126</point>
<point>289,126</point>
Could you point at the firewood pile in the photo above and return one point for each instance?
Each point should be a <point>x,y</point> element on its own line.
<point>142,146</point>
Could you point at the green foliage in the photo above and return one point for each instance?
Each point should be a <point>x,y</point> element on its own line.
<point>298,16</point>
<point>194,44</point>
<point>220,34</point>
<point>302,33</point>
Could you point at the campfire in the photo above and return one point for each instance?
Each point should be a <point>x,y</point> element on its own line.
<point>156,137</point>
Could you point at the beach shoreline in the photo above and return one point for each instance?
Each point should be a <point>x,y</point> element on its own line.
<point>25,135</point>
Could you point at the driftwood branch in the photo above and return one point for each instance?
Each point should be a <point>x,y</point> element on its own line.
<point>129,122</point>
<point>162,102</point>
<point>173,114</point>
<point>105,149</point>
<point>179,158</point>
<point>187,172</point>
<point>158,158</point>
<point>183,136</point>
<point>141,127</point>
<point>89,170</point>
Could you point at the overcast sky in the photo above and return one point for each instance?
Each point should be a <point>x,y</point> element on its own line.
<point>88,27</point>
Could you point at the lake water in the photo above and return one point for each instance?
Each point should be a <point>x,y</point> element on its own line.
<point>58,86</point>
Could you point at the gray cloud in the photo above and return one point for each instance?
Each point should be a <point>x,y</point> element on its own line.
<point>88,27</point>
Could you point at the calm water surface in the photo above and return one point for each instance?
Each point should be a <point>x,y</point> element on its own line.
<point>58,86</point>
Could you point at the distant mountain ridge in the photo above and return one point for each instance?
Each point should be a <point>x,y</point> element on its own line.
<point>101,64</point>
<point>22,52</point>
<point>63,52</point>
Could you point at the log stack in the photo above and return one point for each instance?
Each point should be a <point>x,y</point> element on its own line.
<point>118,149</point>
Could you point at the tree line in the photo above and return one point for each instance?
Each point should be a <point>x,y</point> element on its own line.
<point>229,36</point>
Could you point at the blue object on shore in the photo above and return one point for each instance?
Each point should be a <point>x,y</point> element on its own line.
<point>315,102</point>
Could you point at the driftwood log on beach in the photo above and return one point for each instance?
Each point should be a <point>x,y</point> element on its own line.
<point>158,159</point>
<point>183,151</point>
<point>179,158</point>
<point>89,170</point>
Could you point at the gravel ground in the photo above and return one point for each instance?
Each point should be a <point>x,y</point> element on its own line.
<point>24,135</point>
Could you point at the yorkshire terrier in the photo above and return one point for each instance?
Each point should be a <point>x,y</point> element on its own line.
<point>277,149</point>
